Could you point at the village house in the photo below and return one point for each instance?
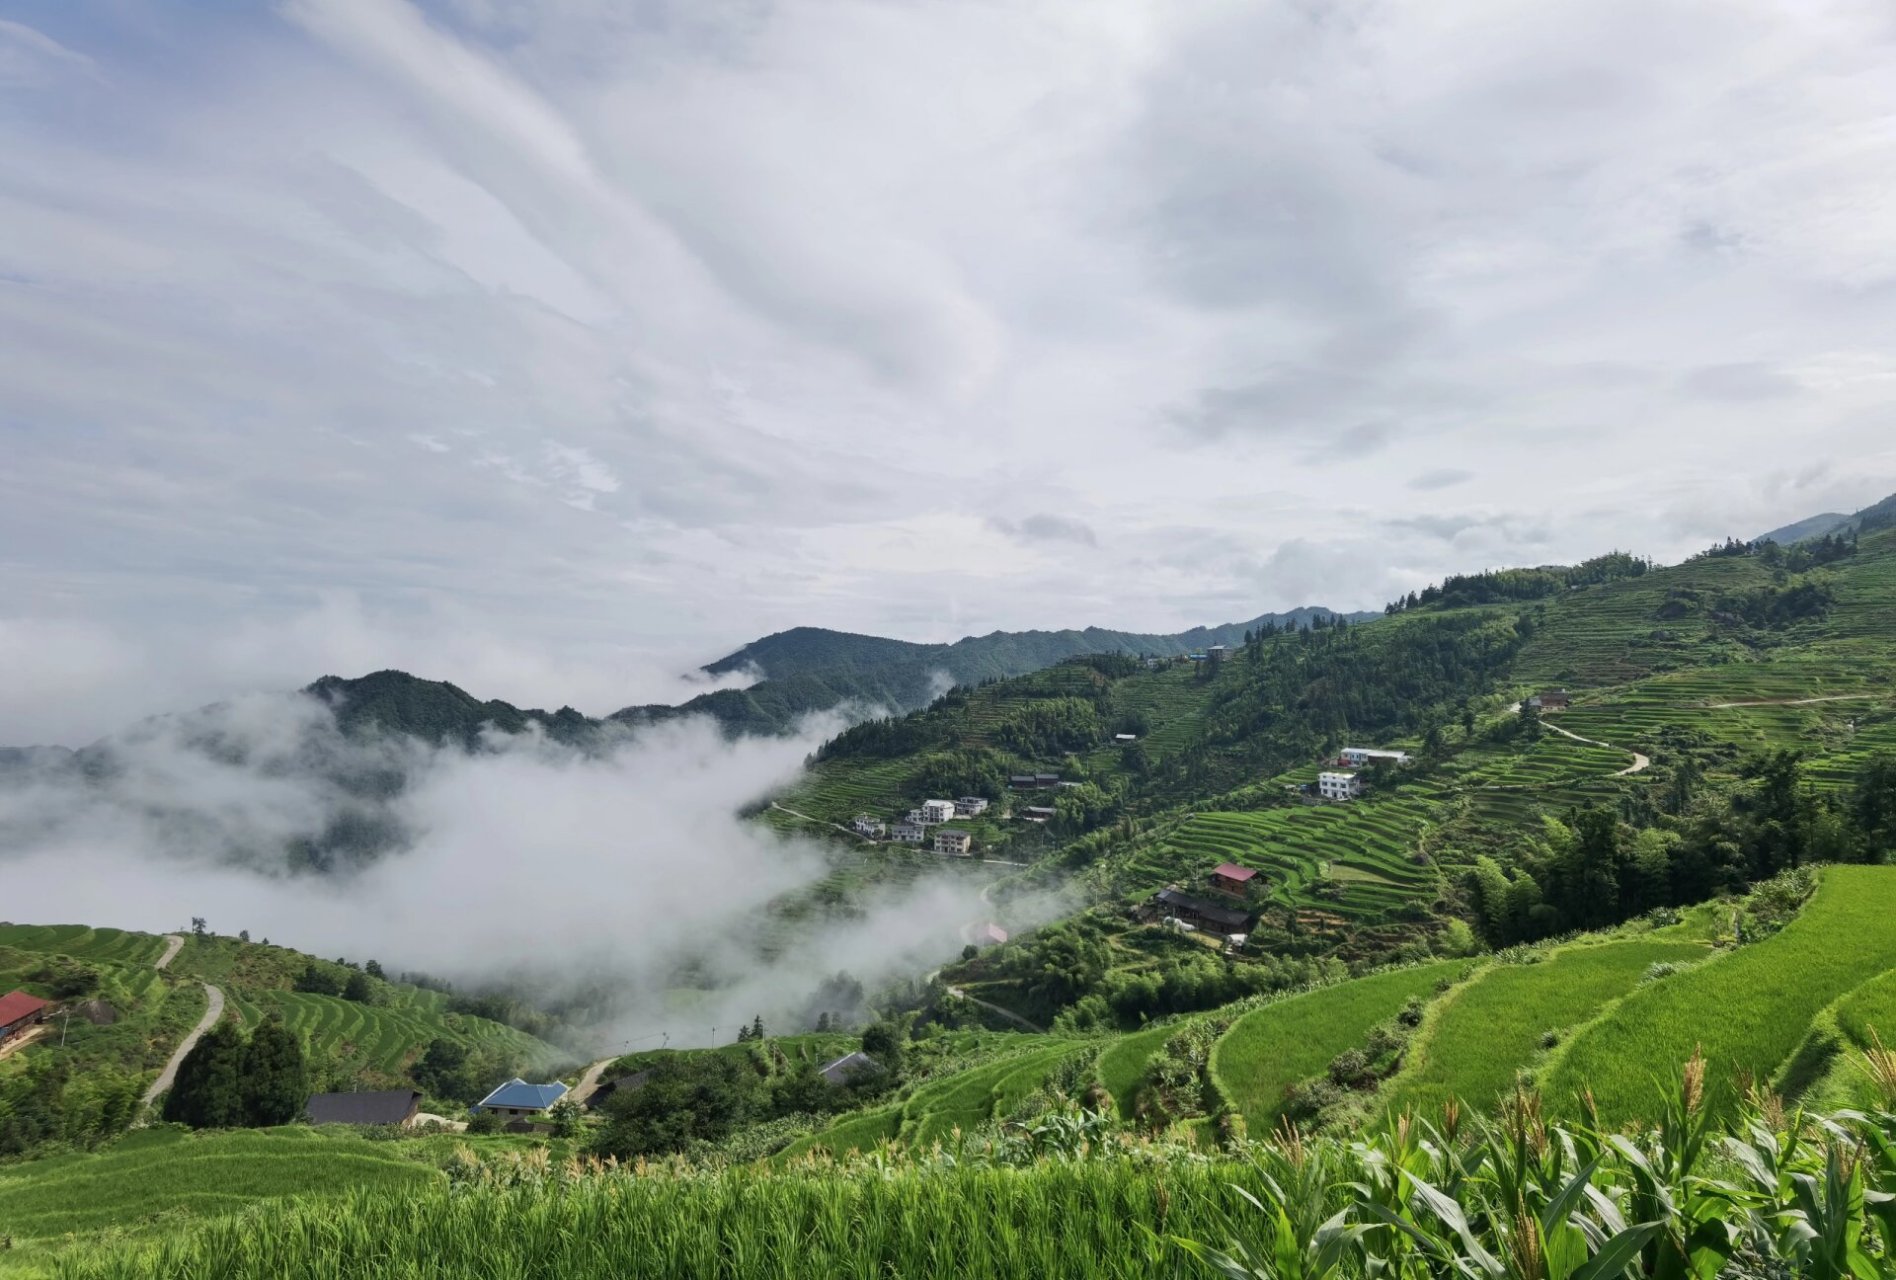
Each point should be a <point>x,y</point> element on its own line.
<point>1360,756</point>
<point>990,935</point>
<point>1200,913</point>
<point>937,811</point>
<point>1339,786</point>
<point>850,1068</point>
<point>953,844</point>
<point>1551,700</point>
<point>1021,781</point>
<point>971,806</point>
<point>1036,813</point>
<point>1230,878</point>
<point>517,1098</point>
<point>865,825</point>
<point>1125,737</point>
<point>20,1013</point>
<point>909,833</point>
<point>1046,780</point>
<point>376,1106</point>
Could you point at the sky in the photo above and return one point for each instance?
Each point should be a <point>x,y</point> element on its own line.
<point>557,347</point>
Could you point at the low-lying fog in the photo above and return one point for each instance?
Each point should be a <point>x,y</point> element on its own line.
<point>530,862</point>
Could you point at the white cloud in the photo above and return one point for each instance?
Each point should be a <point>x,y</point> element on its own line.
<point>597,335</point>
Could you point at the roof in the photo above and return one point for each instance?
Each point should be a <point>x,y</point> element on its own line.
<point>848,1067</point>
<point>15,1005</point>
<point>1232,871</point>
<point>1209,911</point>
<point>993,933</point>
<point>518,1093</point>
<point>384,1106</point>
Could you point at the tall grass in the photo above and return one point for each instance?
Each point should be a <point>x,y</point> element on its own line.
<point>1516,1198</point>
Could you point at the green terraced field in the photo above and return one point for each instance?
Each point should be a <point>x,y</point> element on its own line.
<point>80,942</point>
<point>1481,1035</point>
<point>1354,860</point>
<point>1270,1049</point>
<point>375,1041</point>
<point>170,1176</point>
<point>1746,1010</point>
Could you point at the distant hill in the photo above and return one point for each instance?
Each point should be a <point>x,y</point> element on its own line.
<point>1880,515</point>
<point>810,669</point>
<point>1809,527</point>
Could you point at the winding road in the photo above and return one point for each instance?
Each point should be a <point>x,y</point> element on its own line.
<point>170,1074</point>
<point>173,942</point>
<point>590,1080</point>
<point>1640,762</point>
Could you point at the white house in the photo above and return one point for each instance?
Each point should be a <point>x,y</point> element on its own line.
<point>934,811</point>
<point>1338,786</point>
<point>1125,737</point>
<point>1360,756</point>
<point>908,833</point>
<point>953,844</point>
<point>865,825</point>
<point>971,806</point>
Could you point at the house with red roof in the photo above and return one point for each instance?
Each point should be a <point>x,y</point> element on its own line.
<point>20,1013</point>
<point>1232,879</point>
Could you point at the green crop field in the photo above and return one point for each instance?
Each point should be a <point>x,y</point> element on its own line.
<point>1479,1036</point>
<point>1746,1010</point>
<point>372,1042</point>
<point>82,943</point>
<point>164,1177</point>
<point>1122,1063</point>
<point>1270,1049</point>
<point>1352,860</point>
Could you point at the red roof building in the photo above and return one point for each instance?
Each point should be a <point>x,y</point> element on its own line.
<point>1232,878</point>
<point>18,1011</point>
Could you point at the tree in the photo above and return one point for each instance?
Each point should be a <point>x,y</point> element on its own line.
<point>757,1027</point>
<point>565,1115</point>
<point>243,935</point>
<point>374,969</point>
<point>208,1093</point>
<point>275,1082</point>
<point>683,1100</point>
<point>198,928</point>
<point>360,988</point>
<point>883,1042</point>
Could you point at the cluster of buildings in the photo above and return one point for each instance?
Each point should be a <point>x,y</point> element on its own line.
<point>914,829</point>
<point>1344,782</point>
<point>1550,700</point>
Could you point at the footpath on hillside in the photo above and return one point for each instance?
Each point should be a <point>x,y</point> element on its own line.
<point>215,1010</point>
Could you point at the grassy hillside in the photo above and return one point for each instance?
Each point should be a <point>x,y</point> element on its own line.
<point>1746,1010</point>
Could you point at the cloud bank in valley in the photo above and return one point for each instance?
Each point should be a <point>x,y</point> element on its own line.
<point>529,862</point>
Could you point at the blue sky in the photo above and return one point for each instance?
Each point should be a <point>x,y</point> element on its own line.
<point>553,347</point>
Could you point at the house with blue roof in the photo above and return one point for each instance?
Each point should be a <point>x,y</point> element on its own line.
<point>517,1098</point>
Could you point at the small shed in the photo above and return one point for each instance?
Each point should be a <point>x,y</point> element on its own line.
<point>380,1106</point>
<point>1230,878</point>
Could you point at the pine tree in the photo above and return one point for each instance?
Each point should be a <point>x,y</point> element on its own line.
<point>275,1081</point>
<point>757,1027</point>
<point>208,1092</point>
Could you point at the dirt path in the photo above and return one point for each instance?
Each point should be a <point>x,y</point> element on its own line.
<point>589,1080</point>
<point>170,1074</point>
<point>836,826</point>
<point>172,944</point>
<point>1639,765</point>
<point>1009,1014</point>
<point>1789,702</point>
